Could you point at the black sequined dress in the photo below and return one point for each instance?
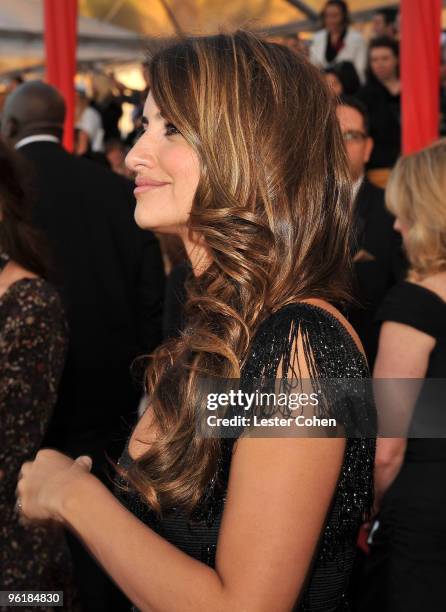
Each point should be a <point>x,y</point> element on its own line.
<point>334,356</point>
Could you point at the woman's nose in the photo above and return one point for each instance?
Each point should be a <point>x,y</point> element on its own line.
<point>140,155</point>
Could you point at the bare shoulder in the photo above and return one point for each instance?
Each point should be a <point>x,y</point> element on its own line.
<point>12,273</point>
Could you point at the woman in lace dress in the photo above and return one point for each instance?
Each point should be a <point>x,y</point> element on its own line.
<point>33,337</point>
<point>242,157</point>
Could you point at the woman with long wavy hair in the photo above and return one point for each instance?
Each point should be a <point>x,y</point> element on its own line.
<point>242,157</point>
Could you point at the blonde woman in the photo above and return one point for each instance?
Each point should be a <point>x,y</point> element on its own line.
<point>407,565</point>
<point>242,157</point>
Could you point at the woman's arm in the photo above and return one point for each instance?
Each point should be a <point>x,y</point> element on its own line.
<point>388,460</point>
<point>278,497</point>
<point>279,493</point>
<point>403,352</point>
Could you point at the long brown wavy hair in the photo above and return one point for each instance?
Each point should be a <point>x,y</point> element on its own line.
<point>273,206</point>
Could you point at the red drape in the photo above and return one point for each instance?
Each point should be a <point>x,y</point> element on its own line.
<point>420,72</point>
<point>60,49</point>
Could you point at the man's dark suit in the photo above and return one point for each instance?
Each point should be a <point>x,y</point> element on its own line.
<point>379,262</point>
<point>110,275</point>
<point>111,279</point>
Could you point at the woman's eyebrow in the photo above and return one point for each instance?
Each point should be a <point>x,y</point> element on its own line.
<point>145,120</point>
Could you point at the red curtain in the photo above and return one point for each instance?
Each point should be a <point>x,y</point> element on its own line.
<point>420,72</point>
<point>60,49</point>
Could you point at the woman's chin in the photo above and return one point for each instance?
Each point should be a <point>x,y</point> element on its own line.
<point>145,220</point>
<point>155,225</point>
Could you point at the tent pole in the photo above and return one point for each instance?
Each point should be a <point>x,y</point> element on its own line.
<point>172,19</point>
<point>60,19</point>
<point>305,9</point>
<point>420,72</point>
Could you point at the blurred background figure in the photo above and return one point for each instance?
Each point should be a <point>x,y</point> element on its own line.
<point>111,279</point>
<point>342,79</point>
<point>88,123</point>
<point>378,261</point>
<point>337,41</point>
<point>115,152</point>
<point>33,337</point>
<point>333,80</point>
<point>107,104</point>
<point>406,567</point>
<point>381,96</point>
<point>384,23</point>
<point>13,83</point>
<point>134,96</point>
<point>294,42</point>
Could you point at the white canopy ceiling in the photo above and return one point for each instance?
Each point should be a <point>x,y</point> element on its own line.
<point>21,38</point>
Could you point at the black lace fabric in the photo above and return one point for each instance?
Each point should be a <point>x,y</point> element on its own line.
<point>330,353</point>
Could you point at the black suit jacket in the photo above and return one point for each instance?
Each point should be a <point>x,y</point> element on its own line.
<point>379,262</point>
<point>110,275</point>
<point>384,112</point>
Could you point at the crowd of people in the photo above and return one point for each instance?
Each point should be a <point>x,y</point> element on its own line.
<point>352,65</point>
<point>275,229</point>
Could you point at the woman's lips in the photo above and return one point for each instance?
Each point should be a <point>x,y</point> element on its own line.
<point>148,186</point>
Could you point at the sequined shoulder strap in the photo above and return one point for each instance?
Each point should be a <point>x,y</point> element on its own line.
<point>327,345</point>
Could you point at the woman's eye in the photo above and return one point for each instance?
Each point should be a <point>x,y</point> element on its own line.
<point>171,129</point>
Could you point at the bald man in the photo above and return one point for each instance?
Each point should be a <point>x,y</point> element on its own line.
<point>31,109</point>
<point>110,275</point>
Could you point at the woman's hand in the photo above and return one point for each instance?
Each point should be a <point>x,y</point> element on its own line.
<point>45,482</point>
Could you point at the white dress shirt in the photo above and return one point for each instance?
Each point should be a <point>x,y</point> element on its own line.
<point>36,138</point>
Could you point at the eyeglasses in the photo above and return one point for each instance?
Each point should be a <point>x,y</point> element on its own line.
<point>354,136</point>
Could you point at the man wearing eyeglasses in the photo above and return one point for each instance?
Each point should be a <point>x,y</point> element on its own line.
<point>377,253</point>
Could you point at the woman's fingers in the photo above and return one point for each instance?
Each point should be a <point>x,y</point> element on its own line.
<point>25,469</point>
<point>85,462</point>
<point>42,484</point>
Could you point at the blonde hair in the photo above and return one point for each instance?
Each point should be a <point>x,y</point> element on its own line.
<point>415,194</point>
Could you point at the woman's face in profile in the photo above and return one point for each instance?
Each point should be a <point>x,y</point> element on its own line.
<point>167,172</point>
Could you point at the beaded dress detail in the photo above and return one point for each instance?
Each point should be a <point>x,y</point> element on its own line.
<point>330,353</point>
